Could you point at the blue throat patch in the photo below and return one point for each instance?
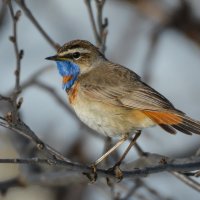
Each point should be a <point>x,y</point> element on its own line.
<point>67,68</point>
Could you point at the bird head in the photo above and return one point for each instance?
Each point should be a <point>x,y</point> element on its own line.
<point>75,58</point>
<point>79,53</point>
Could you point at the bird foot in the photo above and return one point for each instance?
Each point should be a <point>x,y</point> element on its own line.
<point>92,176</point>
<point>117,172</point>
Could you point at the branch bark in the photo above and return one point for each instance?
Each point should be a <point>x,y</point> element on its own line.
<point>18,54</point>
<point>170,165</point>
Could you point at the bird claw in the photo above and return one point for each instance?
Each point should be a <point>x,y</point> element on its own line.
<point>92,176</point>
<point>117,172</point>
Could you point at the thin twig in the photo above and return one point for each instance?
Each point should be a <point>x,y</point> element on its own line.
<point>100,33</point>
<point>152,191</point>
<point>187,180</point>
<point>138,184</point>
<point>141,182</point>
<point>91,15</point>
<point>4,98</point>
<point>102,24</point>
<point>30,16</point>
<point>31,80</point>
<point>139,150</point>
<point>53,92</point>
<point>181,176</point>
<point>18,55</point>
<point>56,96</point>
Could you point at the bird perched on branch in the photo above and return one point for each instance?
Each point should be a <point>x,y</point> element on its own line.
<point>112,99</point>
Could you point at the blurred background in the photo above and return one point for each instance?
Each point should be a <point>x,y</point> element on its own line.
<point>158,39</point>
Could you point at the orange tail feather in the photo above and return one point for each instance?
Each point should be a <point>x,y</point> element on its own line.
<point>170,121</point>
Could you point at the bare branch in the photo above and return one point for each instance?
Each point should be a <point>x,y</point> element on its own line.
<point>31,80</point>
<point>182,164</point>
<point>137,185</point>
<point>55,95</point>
<point>30,16</point>
<point>181,176</point>
<point>101,32</point>
<point>102,24</point>
<point>91,15</point>
<point>18,54</point>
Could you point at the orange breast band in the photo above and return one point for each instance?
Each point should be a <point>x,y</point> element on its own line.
<point>73,93</point>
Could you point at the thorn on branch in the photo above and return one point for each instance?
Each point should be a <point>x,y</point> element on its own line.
<point>17,15</point>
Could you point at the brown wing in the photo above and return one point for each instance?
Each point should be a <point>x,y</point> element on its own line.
<point>120,86</point>
<point>117,85</point>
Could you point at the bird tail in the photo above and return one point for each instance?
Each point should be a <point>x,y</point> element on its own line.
<point>172,121</point>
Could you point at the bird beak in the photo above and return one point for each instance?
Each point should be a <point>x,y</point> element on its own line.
<point>55,58</point>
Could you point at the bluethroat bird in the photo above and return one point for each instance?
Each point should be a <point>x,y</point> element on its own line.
<point>112,99</point>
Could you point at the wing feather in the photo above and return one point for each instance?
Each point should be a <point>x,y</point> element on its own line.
<point>120,86</point>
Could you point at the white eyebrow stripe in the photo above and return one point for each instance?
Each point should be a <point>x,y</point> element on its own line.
<point>70,51</point>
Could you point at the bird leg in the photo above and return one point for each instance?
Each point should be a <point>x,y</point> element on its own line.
<point>93,166</point>
<point>105,155</point>
<point>133,141</point>
<point>115,168</point>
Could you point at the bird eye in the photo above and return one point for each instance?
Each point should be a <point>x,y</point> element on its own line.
<point>76,55</point>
